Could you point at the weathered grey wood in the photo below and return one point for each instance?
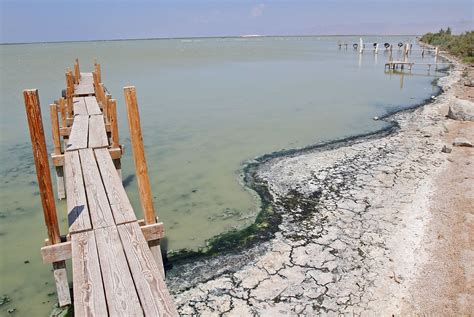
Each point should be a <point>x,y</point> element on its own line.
<point>119,202</point>
<point>152,290</point>
<point>60,182</point>
<point>89,297</point>
<point>84,89</point>
<point>120,292</point>
<point>86,78</point>
<point>155,249</point>
<point>154,231</point>
<point>79,106</point>
<point>62,285</point>
<point>97,135</point>
<point>78,212</point>
<point>99,208</point>
<point>79,133</point>
<point>56,252</point>
<point>92,105</point>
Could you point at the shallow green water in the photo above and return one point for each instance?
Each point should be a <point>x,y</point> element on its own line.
<point>207,106</point>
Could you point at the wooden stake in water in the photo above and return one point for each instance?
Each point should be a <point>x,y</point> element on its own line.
<point>77,72</point>
<point>112,108</point>
<point>40,154</point>
<point>141,169</point>
<point>139,155</point>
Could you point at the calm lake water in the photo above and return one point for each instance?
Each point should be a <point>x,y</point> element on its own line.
<point>207,106</point>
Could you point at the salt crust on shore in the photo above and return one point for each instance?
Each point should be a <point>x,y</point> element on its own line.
<point>350,241</point>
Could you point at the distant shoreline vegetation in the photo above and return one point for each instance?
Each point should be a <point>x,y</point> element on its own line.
<point>461,45</point>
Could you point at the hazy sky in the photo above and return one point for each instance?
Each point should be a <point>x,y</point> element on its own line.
<point>67,20</point>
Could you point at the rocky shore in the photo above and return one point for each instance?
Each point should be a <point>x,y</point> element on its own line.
<point>379,224</point>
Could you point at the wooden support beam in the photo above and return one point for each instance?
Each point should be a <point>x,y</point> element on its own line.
<point>113,123</point>
<point>33,111</point>
<point>154,231</point>
<point>115,154</point>
<point>56,252</point>
<point>65,131</point>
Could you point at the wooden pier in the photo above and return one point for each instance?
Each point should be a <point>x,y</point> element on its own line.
<point>117,267</point>
<point>392,65</point>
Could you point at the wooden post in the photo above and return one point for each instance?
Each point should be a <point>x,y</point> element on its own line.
<point>96,80</point>
<point>112,108</point>
<point>105,111</point>
<point>98,71</point>
<point>141,169</point>
<point>57,150</point>
<point>55,128</point>
<point>69,89</point>
<point>99,93</point>
<point>139,155</point>
<point>113,123</point>
<point>63,110</point>
<point>77,72</point>
<point>40,155</point>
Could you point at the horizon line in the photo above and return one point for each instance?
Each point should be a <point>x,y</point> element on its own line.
<point>244,36</point>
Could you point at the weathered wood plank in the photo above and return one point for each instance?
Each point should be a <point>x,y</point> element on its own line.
<point>99,208</point>
<point>97,135</point>
<point>84,89</point>
<point>119,202</point>
<point>78,212</point>
<point>154,231</point>
<point>58,160</point>
<point>89,297</point>
<point>86,78</point>
<point>92,105</point>
<point>79,133</point>
<point>152,290</point>
<point>56,252</point>
<point>79,106</point>
<point>121,295</point>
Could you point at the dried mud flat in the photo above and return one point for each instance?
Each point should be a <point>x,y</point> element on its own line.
<point>376,225</point>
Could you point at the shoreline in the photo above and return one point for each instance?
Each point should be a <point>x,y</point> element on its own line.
<point>305,267</point>
<point>233,239</point>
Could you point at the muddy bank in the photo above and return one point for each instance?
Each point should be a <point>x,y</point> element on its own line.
<point>350,227</point>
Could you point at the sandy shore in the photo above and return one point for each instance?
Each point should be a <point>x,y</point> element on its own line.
<point>381,224</point>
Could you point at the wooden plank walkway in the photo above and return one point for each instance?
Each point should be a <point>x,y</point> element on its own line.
<point>113,268</point>
<point>402,64</point>
<point>116,272</point>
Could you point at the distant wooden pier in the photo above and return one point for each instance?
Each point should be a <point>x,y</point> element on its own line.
<point>117,267</point>
<point>392,65</point>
